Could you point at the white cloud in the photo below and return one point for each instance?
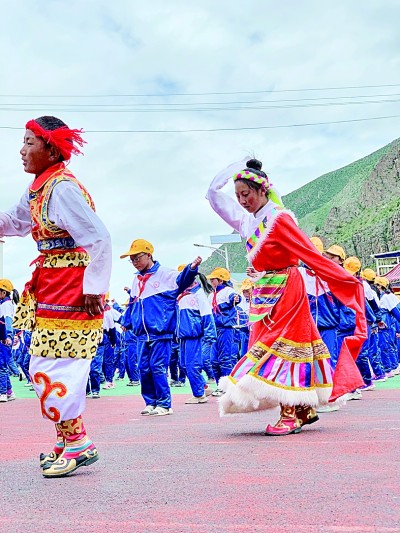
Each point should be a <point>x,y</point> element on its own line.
<point>153,185</point>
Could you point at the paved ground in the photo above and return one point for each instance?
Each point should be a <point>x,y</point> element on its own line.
<point>194,472</point>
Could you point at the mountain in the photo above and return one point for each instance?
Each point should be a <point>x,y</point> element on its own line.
<point>356,206</point>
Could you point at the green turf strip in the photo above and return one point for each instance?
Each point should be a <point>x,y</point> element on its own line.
<point>121,388</point>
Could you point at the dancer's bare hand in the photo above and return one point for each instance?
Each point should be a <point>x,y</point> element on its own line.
<point>251,271</point>
<point>93,304</point>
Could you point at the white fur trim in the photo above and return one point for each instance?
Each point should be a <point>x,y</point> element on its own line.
<point>251,394</point>
<point>271,222</point>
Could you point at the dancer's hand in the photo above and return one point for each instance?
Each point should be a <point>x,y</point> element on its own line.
<point>94,304</point>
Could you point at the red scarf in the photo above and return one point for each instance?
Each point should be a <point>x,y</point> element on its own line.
<point>184,293</point>
<point>215,307</point>
<point>142,284</point>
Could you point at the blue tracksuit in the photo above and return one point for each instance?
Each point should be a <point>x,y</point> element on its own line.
<point>195,322</point>
<point>224,312</point>
<point>324,309</point>
<point>243,326</point>
<point>176,370</point>
<point>390,307</point>
<point>108,343</point>
<point>152,316</point>
<point>362,360</point>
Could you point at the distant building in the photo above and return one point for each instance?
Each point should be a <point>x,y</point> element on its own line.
<point>386,261</point>
<point>388,265</point>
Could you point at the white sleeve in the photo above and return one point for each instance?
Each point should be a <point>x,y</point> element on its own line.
<point>369,293</point>
<point>108,320</point>
<point>69,210</point>
<point>16,222</point>
<point>225,206</point>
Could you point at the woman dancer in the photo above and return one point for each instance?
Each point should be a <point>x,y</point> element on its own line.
<point>287,363</point>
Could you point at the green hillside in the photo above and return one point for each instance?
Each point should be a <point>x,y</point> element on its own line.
<point>356,206</point>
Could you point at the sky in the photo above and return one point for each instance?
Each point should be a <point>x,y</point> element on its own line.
<point>136,76</point>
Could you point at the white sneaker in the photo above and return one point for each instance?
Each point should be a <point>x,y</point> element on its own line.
<point>327,408</point>
<point>11,397</point>
<point>356,395</point>
<point>197,399</point>
<point>109,386</point>
<point>161,411</point>
<point>218,392</point>
<point>3,398</point>
<point>147,410</point>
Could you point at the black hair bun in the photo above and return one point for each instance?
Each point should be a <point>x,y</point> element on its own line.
<point>254,164</point>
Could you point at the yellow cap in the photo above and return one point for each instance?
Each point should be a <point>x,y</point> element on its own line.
<point>246,285</point>
<point>336,250</point>
<point>317,243</point>
<point>6,285</point>
<point>220,273</point>
<point>352,264</point>
<point>382,281</point>
<point>368,274</point>
<point>138,246</point>
<point>181,267</point>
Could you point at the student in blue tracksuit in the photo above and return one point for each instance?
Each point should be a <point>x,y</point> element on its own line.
<point>390,307</point>
<point>195,323</point>
<point>152,317</point>
<point>97,363</point>
<point>176,370</point>
<point>129,344</point>
<point>223,301</point>
<point>373,351</point>
<point>362,360</point>
<point>108,343</point>
<point>243,316</point>
<point>6,338</point>
<point>132,368</point>
<point>324,309</point>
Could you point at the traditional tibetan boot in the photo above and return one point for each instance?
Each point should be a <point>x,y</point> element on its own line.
<point>306,415</point>
<point>79,450</point>
<point>55,453</point>
<point>287,424</point>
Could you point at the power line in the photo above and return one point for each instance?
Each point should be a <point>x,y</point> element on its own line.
<point>197,110</point>
<point>162,95</point>
<point>350,97</point>
<point>231,129</point>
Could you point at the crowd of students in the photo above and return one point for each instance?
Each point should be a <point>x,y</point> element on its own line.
<point>180,325</point>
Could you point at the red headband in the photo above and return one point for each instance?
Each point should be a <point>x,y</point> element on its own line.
<point>62,138</point>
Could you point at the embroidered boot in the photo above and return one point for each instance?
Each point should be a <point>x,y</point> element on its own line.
<point>56,452</point>
<point>287,423</point>
<point>79,450</point>
<point>306,414</point>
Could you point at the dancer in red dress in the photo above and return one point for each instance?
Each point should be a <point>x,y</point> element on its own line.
<point>287,364</point>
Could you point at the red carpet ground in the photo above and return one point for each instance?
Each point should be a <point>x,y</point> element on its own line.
<point>195,472</point>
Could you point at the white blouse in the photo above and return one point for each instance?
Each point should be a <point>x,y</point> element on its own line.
<point>69,211</point>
